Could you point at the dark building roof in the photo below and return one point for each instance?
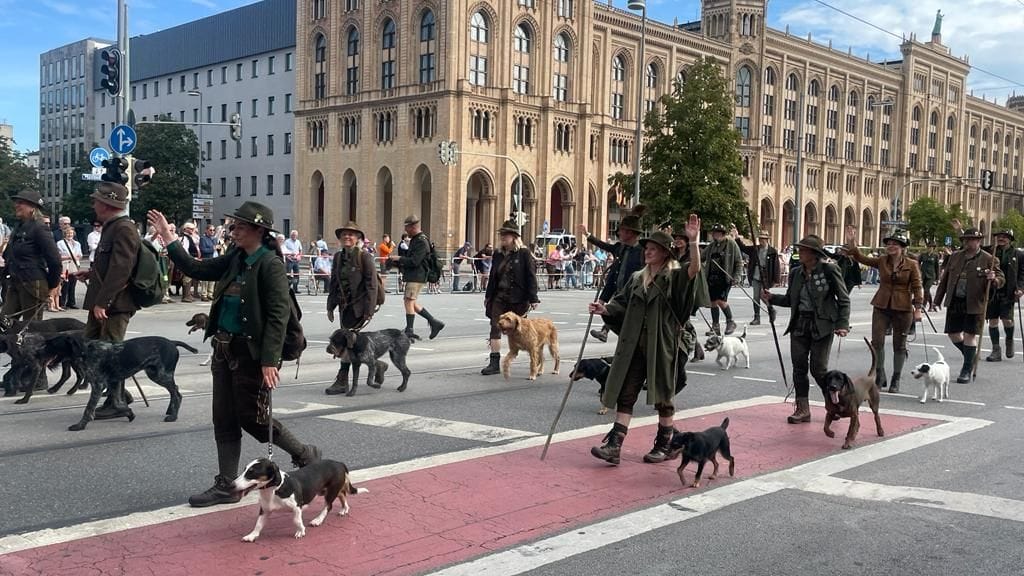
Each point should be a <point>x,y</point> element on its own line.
<point>254,29</point>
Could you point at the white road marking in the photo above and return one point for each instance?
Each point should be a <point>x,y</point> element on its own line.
<point>755,379</point>
<point>532,556</point>
<point>482,319</point>
<point>426,425</point>
<point>303,407</point>
<point>1014,407</point>
<point>700,373</point>
<point>559,313</point>
<point>559,323</point>
<point>421,349</point>
<point>47,537</point>
<point>922,345</point>
<point>132,332</point>
<point>950,400</point>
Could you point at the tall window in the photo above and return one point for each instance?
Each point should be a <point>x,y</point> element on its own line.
<point>428,66</point>
<point>522,42</point>
<point>522,38</point>
<point>478,70</point>
<point>352,62</point>
<point>319,9</point>
<point>561,52</point>
<point>320,67</point>
<point>743,87</point>
<point>565,9</point>
<point>387,57</point>
<point>618,87</point>
<point>478,28</point>
<point>521,79</point>
<point>651,85</point>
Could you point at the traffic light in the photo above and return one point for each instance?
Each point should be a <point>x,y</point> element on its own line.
<point>236,127</point>
<point>987,179</point>
<point>117,170</point>
<point>111,71</point>
<point>142,173</point>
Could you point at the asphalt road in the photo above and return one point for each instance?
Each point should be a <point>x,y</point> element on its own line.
<point>54,478</point>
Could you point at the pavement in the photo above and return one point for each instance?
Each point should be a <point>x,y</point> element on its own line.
<point>457,486</point>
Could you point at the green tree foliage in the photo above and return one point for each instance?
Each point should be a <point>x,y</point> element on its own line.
<point>1012,220</point>
<point>173,150</point>
<point>691,160</point>
<point>929,220</point>
<point>15,176</point>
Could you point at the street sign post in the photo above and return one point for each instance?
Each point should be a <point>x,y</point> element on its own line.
<point>97,156</point>
<point>894,222</point>
<point>123,139</point>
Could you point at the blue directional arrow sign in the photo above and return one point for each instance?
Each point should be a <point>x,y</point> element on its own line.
<point>97,156</point>
<point>122,139</point>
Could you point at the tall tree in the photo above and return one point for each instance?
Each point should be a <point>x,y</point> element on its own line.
<point>15,176</point>
<point>691,161</point>
<point>927,219</point>
<point>173,150</point>
<point>1012,220</point>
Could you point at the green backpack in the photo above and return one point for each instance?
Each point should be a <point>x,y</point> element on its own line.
<point>433,266</point>
<point>149,280</point>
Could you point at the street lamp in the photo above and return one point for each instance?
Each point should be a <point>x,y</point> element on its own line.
<point>641,74</point>
<point>199,182</point>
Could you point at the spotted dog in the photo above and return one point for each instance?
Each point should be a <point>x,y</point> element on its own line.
<point>108,364</point>
<point>295,490</point>
<point>363,348</point>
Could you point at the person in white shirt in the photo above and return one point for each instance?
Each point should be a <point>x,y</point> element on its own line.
<point>71,261</point>
<point>322,267</point>
<point>292,250</point>
<point>93,239</point>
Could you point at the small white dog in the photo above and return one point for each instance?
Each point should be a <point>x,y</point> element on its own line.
<point>936,378</point>
<point>729,348</point>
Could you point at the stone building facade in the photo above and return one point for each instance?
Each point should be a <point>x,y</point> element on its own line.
<point>553,86</point>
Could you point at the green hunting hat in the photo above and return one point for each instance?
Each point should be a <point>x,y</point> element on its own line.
<point>1008,232</point>
<point>352,227</point>
<point>971,233</point>
<point>256,214</point>
<point>899,236</point>
<point>111,194</point>
<point>31,197</point>
<point>661,239</point>
<point>813,242</point>
<point>509,227</point>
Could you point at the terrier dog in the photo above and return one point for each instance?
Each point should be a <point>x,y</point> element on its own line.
<point>595,369</point>
<point>700,447</point>
<point>729,348</point>
<point>936,378</point>
<point>530,334</point>
<point>295,490</point>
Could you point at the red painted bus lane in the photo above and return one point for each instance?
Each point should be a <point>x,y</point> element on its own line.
<point>419,521</point>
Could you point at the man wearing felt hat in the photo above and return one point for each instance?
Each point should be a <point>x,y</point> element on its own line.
<point>1002,299</point>
<point>353,291</point>
<point>511,287</point>
<point>760,257</point>
<point>33,262</point>
<point>820,310</point>
<point>629,257</point>
<point>414,266</point>
<point>965,277</point>
<point>723,264</point>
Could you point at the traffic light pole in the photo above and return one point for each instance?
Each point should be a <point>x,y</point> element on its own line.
<point>123,101</point>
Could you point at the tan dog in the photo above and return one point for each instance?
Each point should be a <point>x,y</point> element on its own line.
<point>843,397</point>
<point>529,334</point>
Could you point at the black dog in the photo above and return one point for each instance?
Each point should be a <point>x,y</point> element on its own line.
<point>700,447</point>
<point>595,369</point>
<point>15,376</point>
<point>108,364</point>
<point>359,348</point>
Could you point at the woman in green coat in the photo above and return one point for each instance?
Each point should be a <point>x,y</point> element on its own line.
<point>647,314</point>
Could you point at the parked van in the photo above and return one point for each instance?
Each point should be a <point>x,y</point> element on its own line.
<point>556,239</point>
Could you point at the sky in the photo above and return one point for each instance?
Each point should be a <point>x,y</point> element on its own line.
<point>988,31</point>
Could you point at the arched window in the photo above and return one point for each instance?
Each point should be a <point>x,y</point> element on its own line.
<point>743,87</point>
<point>769,76</point>
<point>320,67</point>
<point>852,100</point>
<point>523,38</point>
<point>680,79</point>
<point>618,87</point>
<point>651,85</point>
<point>792,82</point>
<point>561,51</point>
<point>428,48</point>
<point>352,62</point>
<point>387,56</point>
<point>833,93</point>
<point>479,28</point>
<point>813,89</point>
<point>427,26</point>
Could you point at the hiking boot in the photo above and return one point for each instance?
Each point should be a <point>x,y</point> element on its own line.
<point>222,492</point>
<point>492,366</point>
<point>730,327</point>
<point>310,454</point>
<point>756,321</point>
<point>340,385</point>
<point>660,452</point>
<point>802,413</point>
<point>412,336</point>
<point>894,386</point>
<point>612,447</point>
<point>715,330</point>
<point>435,328</point>
<point>996,355</point>
<point>698,352</point>
<point>378,374</point>
<point>599,335</point>
<point>965,375</point>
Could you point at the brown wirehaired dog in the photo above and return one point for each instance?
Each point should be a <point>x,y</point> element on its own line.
<point>529,334</point>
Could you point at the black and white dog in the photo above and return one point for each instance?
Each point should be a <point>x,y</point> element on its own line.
<point>363,348</point>
<point>295,490</point>
<point>108,364</point>
<point>936,378</point>
<point>729,348</point>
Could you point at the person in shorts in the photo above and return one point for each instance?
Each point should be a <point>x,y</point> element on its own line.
<point>413,267</point>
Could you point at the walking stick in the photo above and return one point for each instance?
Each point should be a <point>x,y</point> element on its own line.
<point>1020,322</point>
<point>771,316</point>
<point>568,389</point>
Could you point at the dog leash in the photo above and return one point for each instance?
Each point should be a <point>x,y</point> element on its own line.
<point>270,424</point>
<point>924,340</point>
